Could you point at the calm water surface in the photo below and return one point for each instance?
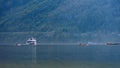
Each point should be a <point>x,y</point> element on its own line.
<point>60,56</point>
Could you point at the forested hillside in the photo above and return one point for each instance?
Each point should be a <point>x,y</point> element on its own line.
<point>63,17</point>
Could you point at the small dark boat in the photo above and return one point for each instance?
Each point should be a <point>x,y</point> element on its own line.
<point>83,44</point>
<point>113,43</point>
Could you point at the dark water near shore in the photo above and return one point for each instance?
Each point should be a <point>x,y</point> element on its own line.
<point>62,56</point>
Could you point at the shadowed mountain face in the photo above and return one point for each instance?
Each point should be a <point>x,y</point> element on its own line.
<point>60,15</point>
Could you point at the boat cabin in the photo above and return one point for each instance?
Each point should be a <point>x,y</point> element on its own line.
<point>31,41</point>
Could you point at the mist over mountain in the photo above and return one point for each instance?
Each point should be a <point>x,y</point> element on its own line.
<point>60,16</point>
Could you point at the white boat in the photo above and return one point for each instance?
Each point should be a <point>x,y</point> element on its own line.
<point>31,41</point>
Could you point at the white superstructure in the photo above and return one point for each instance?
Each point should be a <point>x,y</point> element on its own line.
<point>31,41</point>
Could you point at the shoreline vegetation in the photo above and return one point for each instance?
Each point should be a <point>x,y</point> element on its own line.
<point>59,37</point>
<point>55,64</point>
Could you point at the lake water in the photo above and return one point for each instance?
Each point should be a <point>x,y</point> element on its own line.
<point>60,56</point>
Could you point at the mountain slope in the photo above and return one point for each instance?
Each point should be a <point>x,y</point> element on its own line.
<point>61,15</point>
